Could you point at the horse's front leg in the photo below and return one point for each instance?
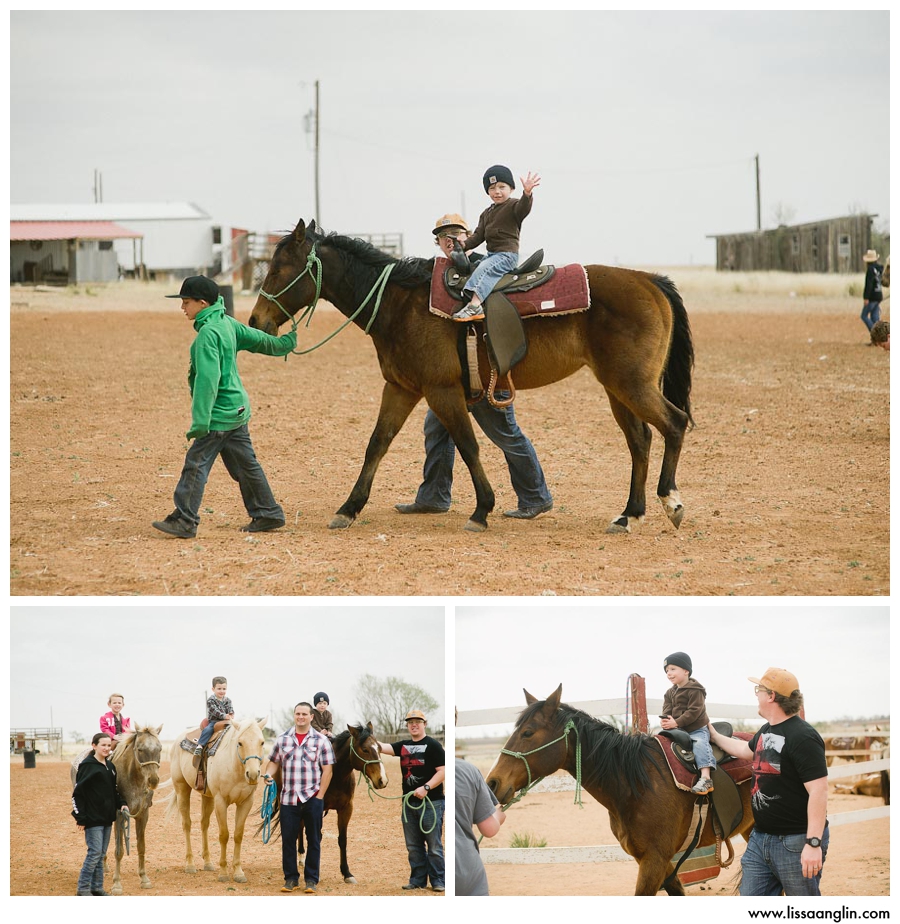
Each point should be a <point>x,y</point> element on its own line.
<point>141,828</point>
<point>221,807</point>
<point>242,810</point>
<point>653,872</point>
<point>396,406</point>
<point>207,804</point>
<point>344,816</point>
<point>120,852</point>
<point>450,406</point>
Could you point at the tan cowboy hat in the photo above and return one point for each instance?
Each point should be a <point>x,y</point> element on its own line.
<point>450,220</point>
<point>870,256</point>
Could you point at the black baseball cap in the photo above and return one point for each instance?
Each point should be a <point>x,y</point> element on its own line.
<point>201,288</point>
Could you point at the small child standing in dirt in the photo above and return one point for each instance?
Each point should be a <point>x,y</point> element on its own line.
<point>684,707</point>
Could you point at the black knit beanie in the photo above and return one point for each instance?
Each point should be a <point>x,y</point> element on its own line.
<point>498,174</point>
<point>319,696</point>
<point>679,659</point>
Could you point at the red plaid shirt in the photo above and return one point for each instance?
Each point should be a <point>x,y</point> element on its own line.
<point>301,764</point>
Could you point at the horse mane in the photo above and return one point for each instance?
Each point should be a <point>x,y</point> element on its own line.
<point>363,263</point>
<point>607,755</point>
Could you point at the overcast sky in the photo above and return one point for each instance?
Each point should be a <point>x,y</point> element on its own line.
<point>839,654</point>
<point>643,125</point>
<point>66,661</point>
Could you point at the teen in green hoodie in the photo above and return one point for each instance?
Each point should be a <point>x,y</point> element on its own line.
<point>220,410</point>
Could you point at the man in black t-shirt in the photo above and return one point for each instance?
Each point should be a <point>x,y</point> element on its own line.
<point>422,766</point>
<point>789,841</point>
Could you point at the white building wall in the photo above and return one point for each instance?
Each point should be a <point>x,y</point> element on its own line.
<point>176,245</point>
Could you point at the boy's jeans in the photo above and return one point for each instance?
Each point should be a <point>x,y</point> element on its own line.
<point>771,865</point>
<point>489,272</point>
<point>90,879</point>
<point>703,754</point>
<point>239,458</point>
<point>871,314</point>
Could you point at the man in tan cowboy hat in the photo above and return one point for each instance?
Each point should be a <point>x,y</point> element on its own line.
<point>789,841</point>
<point>872,291</point>
<point>498,425</point>
<point>422,766</point>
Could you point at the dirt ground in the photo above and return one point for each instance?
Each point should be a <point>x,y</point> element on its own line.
<point>785,478</point>
<point>858,861</point>
<point>46,859</point>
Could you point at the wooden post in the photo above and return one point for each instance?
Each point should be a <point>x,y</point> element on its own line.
<point>638,693</point>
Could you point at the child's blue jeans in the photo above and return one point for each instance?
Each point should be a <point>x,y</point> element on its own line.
<point>703,754</point>
<point>489,272</point>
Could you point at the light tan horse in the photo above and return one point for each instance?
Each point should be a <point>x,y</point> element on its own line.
<point>231,779</point>
<point>136,759</point>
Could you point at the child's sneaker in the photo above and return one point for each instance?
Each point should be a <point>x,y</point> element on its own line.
<point>703,787</point>
<point>469,312</point>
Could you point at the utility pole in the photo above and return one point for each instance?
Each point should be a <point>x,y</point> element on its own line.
<point>758,205</point>
<point>98,185</point>
<point>311,124</point>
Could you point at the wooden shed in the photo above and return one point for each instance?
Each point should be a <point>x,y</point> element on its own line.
<point>833,245</point>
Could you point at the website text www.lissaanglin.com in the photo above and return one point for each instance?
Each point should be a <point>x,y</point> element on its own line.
<point>829,914</point>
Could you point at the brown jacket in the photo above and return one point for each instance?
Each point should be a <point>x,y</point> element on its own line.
<point>322,721</point>
<point>499,225</point>
<point>687,705</point>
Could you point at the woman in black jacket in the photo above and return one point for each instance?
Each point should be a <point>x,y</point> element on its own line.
<point>95,801</point>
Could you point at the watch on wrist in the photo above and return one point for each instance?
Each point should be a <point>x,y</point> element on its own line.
<point>814,841</point>
<point>427,788</point>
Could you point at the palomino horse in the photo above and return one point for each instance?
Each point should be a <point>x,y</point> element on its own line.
<point>627,774</point>
<point>355,749</point>
<point>635,339</point>
<point>232,777</point>
<point>136,759</point>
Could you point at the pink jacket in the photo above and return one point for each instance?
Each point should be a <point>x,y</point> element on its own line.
<point>108,723</point>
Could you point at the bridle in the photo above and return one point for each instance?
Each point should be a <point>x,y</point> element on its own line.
<point>313,260</point>
<point>523,755</point>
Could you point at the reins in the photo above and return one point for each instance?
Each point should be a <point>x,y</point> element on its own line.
<point>312,260</point>
<point>406,797</point>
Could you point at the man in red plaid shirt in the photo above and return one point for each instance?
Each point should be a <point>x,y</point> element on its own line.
<point>306,758</point>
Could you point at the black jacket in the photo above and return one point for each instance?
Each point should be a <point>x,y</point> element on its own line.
<point>872,291</point>
<point>95,799</point>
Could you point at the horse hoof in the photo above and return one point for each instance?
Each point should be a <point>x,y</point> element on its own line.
<point>619,525</point>
<point>224,877</point>
<point>674,508</point>
<point>209,868</point>
<point>144,885</point>
<point>190,869</point>
<point>350,879</point>
<point>240,877</point>
<point>117,890</point>
<point>341,521</point>
<point>473,526</point>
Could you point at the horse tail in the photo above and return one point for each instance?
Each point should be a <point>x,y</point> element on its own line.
<point>676,384</point>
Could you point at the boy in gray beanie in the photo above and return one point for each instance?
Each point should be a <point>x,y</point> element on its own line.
<point>684,706</point>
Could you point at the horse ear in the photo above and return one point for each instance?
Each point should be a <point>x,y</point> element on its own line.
<point>354,729</point>
<point>312,225</point>
<point>299,232</point>
<point>370,727</point>
<point>531,700</point>
<point>262,722</point>
<point>156,730</point>
<point>554,698</point>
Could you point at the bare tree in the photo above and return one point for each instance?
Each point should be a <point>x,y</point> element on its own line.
<point>783,214</point>
<point>386,702</point>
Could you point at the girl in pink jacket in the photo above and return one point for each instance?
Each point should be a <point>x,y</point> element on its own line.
<point>113,722</point>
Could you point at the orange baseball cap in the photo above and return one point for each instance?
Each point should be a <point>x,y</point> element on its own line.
<point>451,220</point>
<point>415,715</point>
<point>779,680</point>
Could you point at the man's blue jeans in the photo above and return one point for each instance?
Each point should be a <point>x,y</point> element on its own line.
<point>237,454</point>
<point>500,427</point>
<point>426,851</point>
<point>307,815</point>
<point>90,879</point>
<point>489,272</point>
<point>871,314</point>
<point>771,865</point>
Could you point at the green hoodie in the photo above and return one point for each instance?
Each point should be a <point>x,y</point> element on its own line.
<point>219,399</point>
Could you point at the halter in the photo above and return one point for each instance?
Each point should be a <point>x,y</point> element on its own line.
<point>522,755</point>
<point>313,260</point>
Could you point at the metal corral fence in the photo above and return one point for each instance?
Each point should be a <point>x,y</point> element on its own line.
<point>635,706</point>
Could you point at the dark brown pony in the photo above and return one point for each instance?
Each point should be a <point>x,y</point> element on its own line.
<point>627,774</point>
<point>635,339</point>
<point>355,750</point>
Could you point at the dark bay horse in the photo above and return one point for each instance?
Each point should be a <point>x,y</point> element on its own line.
<point>627,774</point>
<point>635,339</point>
<point>355,750</point>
